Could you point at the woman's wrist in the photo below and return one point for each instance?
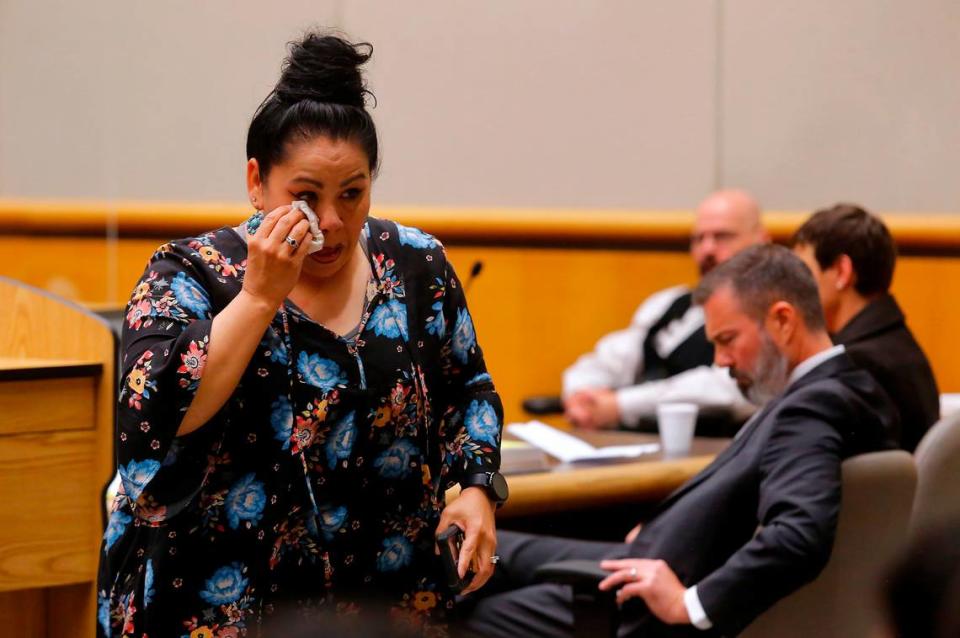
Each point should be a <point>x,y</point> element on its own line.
<point>257,305</point>
<point>480,492</point>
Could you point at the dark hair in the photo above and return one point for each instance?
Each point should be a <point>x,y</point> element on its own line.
<point>321,92</point>
<point>847,229</point>
<point>761,276</point>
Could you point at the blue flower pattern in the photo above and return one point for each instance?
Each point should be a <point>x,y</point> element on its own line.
<point>274,347</point>
<point>397,553</point>
<point>136,475</point>
<point>103,613</point>
<point>190,295</point>
<point>340,444</point>
<point>331,520</point>
<point>464,337</point>
<point>437,324</point>
<point>225,586</point>
<point>394,462</point>
<point>389,320</point>
<point>360,484</point>
<point>482,422</point>
<point>320,372</point>
<point>245,501</point>
<point>483,377</point>
<point>281,420</point>
<point>116,525</point>
<point>415,237</point>
<point>148,591</point>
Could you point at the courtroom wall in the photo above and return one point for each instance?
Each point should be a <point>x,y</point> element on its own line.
<point>535,103</point>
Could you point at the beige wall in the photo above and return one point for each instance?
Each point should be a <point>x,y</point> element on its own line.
<point>509,102</point>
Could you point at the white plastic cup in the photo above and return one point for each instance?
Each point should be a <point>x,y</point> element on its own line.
<point>676,422</point>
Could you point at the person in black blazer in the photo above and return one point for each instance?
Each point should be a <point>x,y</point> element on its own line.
<point>852,257</point>
<point>759,521</point>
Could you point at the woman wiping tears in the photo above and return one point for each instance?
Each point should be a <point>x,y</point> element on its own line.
<point>290,414</point>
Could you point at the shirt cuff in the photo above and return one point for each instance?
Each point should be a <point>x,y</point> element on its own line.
<point>695,610</point>
<point>636,401</point>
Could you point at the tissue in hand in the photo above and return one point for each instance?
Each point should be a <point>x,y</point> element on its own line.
<point>317,242</point>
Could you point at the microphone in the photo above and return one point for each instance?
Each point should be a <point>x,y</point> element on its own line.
<point>474,271</point>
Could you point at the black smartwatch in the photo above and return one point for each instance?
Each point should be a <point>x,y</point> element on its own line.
<point>492,483</point>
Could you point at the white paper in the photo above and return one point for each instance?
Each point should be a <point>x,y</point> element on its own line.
<point>570,449</point>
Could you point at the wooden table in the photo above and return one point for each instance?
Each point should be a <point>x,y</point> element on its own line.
<point>561,487</point>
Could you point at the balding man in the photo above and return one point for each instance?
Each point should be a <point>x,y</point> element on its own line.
<point>664,354</point>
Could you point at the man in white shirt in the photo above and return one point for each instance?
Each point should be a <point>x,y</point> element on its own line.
<point>664,354</point>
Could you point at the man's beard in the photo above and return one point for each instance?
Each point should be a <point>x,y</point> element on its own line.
<point>768,377</point>
<point>709,263</point>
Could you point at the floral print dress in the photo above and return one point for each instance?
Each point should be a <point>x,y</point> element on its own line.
<point>319,484</point>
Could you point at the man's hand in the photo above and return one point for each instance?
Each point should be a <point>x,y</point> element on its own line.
<point>592,408</point>
<point>651,580</point>
<point>473,512</point>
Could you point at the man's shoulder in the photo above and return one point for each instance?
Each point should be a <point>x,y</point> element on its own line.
<point>845,397</point>
<point>894,349</point>
<point>657,304</point>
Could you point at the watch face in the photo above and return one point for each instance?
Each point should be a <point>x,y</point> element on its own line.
<point>499,486</point>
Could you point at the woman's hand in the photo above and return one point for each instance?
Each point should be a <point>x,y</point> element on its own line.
<point>473,512</point>
<point>273,264</point>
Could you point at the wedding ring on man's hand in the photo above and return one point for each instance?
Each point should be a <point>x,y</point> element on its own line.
<point>290,240</point>
<point>494,559</point>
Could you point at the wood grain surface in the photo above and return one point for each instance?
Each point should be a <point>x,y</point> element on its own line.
<point>57,393</point>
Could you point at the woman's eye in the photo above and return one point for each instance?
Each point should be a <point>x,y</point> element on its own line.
<point>306,196</point>
<point>351,193</point>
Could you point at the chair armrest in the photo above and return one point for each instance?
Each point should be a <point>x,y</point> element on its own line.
<point>546,404</point>
<point>595,612</point>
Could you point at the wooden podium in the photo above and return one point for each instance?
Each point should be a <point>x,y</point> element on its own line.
<point>57,394</point>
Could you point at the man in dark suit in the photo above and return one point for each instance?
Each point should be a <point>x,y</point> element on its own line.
<point>852,256</point>
<point>759,521</point>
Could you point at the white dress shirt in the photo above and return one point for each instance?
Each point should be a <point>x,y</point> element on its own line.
<point>614,362</point>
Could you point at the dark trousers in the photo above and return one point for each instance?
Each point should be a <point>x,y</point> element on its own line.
<point>511,604</point>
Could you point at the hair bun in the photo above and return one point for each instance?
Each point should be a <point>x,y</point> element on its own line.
<point>324,68</point>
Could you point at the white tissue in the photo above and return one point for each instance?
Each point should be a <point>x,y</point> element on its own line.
<point>317,242</point>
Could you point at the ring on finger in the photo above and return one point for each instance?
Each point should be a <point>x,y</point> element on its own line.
<point>495,559</point>
<point>633,573</point>
<point>290,240</point>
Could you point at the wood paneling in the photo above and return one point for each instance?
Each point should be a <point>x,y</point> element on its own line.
<point>553,281</point>
<point>24,613</point>
<point>47,481</point>
<point>43,405</point>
